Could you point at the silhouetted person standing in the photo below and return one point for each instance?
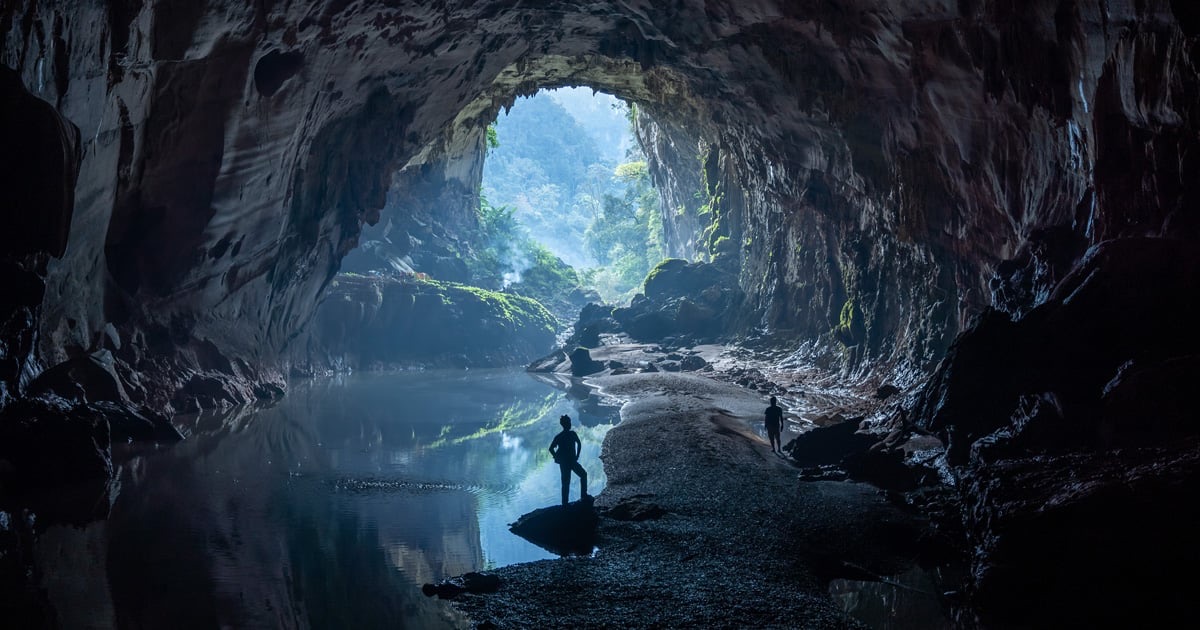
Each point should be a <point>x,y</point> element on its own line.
<point>774,425</point>
<point>566,448</point>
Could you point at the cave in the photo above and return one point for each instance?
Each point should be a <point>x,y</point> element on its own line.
<point>970,218</point>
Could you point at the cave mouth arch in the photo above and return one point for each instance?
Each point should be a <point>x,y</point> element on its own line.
<point>441,179</point>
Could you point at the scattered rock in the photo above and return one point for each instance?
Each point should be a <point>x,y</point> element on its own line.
<point>822,473</point>
<point>635,509</point>
<point>829,445</point>
<point>476,583</point>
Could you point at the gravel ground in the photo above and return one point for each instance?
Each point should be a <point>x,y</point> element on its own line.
<point>743,543</point>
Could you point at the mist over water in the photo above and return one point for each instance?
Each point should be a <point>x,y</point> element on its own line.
<point>327,510</point>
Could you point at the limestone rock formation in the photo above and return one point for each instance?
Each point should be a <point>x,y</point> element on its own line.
<point>185,179</point>
<point>696,302</point>
<point>905,164</point>
<point>373,322</point>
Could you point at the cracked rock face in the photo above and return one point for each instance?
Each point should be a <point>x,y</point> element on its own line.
<point>897,164</point>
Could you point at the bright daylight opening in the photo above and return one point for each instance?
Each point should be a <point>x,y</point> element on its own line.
<point>566,205</point>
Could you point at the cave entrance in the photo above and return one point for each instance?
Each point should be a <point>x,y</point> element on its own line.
<point>566,202</point>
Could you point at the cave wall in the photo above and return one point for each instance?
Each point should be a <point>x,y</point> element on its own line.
<point>879,171</point>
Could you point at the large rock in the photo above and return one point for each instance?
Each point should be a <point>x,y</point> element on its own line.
<point>91,377</point>
<point>386,321</point>
<point>1102,316</point>
<point>829,445</point>
<point>562,529</point>
<point>695,301</point>
<point>47,442</point>
<point>582,363</point>
<point>1072,433</point>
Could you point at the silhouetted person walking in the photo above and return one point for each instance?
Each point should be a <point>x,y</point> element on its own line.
<point>774,425</point>
<point>566,448</point>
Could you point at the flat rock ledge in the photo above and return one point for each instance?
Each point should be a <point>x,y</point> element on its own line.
<point>700,525</point>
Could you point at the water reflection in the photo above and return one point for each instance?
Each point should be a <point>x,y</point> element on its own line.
<point>906,601</point>
<point>327,510</point>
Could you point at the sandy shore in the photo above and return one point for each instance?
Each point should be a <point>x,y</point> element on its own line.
<point>743,543</point>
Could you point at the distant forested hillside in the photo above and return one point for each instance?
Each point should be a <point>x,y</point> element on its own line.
<point>568,169</point>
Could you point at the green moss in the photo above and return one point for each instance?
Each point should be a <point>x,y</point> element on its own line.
<point>516,310</point>
<point>722,245</point>
<point>850,329</point>
<point>666,262</point>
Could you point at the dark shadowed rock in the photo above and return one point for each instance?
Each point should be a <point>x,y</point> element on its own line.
<point>594,319</point>
<point>129,424</point>
<point>1149,403</point>
<point>47,442</point>
<point>1085,540</point>
<point>886,391</point>
<point>87,378</point>
<point>548,363</point>
<point>684,301</point>
<point>828,445</point>
<point>1073,434</point>
<point>473,582</point>
<point>582,363</point>
<point>692,363</point>
<point>881,468</point>
<point>562,529</point>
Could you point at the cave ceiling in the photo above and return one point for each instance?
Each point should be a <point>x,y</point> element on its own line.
<point>888,157</point>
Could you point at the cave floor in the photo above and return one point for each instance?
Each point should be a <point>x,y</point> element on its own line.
<point>744,543</point>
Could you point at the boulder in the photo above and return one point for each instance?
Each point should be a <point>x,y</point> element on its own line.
<point>829,445</point>
<point>685,302</point>
<point>47,442</point>
<point>473,582</point>
<point>548,363</point>
<point>1099,318</point>
<point>562,529</point>
<point>582,363</point>
<point>86,378</point>
<point>594,319</point>
<point>692,363</point>
<point>886,391</point>
<point>130,424</point>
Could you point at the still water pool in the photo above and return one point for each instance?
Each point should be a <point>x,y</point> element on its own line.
<point>329,509</point>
